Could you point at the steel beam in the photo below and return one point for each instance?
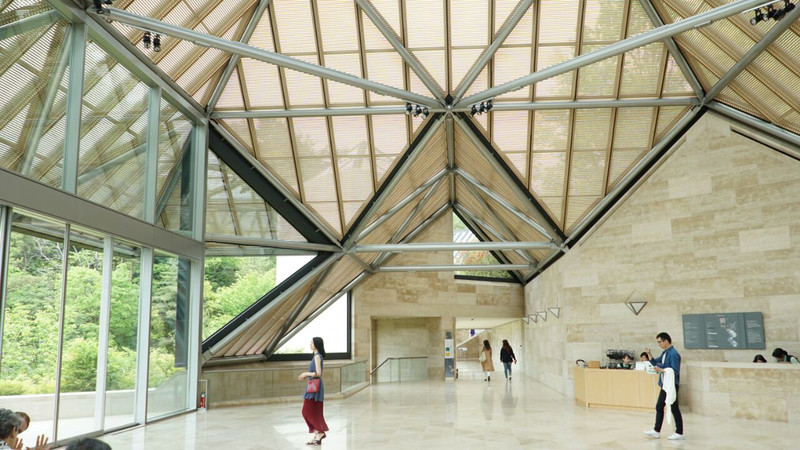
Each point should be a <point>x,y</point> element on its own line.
<point>326,112</point>
<point>298,308</point>
<point>451,157</point>
<point>451,246</point>
<point>505,228</point>
<point>673,49</point>
<point>27,24</point>
<point>273,243</point>
<point>481,233</point>
<point>401,167</point>
<point>77,62</point>
<point>488,54</point>
<point>394,209</point>
<point>453,268</point>
<point>347,288</point>
<point>151,160</point>
<point>588,104</point>
<point>503,202</point>
<point>287,288</point>
<point>387,32</point>
<point>771,130</point>
<point>5,241</point>
<point>634,174</point>
<point>618,48</point>
<point>380,259</point>
<point>247,51</point>
<point>773,34</point>
<point>485,149</point>
<point>53,85</point>
<point>234,60</point>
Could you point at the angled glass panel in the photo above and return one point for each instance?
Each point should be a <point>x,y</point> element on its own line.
<point>234,209</point>
<point>462,234</point>
<point>34,71</point>
<point>390,138</point>
<point>81,335</point>
<point>275,151</point>
<point>351,140</point>
<point>113,134</point>
<point>233,283</point>
<point>31,320</point>
<point>174,177</point>
<point>122,335</point>
<point>169,325</point>
<point>332,325</point>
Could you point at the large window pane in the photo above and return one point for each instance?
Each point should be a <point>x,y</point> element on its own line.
<point>122,339</point>
<point>169,323</point>
<point>30,337</point>
<point>333,326</point>
<point>174,185</point>
<point>76,410</point>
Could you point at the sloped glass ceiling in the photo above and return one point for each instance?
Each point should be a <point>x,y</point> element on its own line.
<point>234,209</point>
<point>567,157</point>
<point>463,234</point>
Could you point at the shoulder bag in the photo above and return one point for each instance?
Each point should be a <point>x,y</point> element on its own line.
<point>313,386</point>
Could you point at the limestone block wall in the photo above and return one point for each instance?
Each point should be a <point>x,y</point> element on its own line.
<point>716,228</point>
<point>436,296</point>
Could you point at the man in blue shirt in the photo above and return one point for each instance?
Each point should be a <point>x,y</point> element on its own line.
<point>670,358</point>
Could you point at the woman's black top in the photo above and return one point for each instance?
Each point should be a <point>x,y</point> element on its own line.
<point>507,355</point>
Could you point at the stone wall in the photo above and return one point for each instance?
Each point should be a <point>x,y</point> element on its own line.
<point>436,296</point>
<point>716,228</point>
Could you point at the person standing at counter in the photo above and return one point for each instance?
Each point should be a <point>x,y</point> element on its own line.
<point>669,380</point>
<point>782,356</point>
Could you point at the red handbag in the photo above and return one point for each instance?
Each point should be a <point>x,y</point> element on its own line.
<point>313,385</point>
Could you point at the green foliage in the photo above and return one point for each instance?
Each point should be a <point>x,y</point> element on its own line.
<point>79,367</point>
<point>221,272</point>
<point>255,278</point>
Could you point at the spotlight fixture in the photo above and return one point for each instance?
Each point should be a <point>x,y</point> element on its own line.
<point>417,110</point>
<point>146,39</point>
<point>98,6</point>
<point>774,13</point>
<point>156,42</point>
<point>481,108</point>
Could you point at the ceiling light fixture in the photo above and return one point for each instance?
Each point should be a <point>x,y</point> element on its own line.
<point>98,6</point>
<point>156,42</point>
<point>773,12</point>
<point>481,108</point>
<point>759,17</point>
<point>409,108</point>
<point>146,39</point>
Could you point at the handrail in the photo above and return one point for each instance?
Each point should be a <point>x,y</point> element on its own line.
<point>387,359</point>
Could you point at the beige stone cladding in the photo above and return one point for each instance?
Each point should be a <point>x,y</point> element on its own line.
<point>408,314</point>
<point>715,228</point>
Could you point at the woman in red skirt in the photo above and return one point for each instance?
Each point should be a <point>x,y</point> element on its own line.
<point>312,406</point>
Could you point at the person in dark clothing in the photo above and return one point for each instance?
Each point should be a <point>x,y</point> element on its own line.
<point>506,357</point>
<point>669,366</point>
<point>782,356</point>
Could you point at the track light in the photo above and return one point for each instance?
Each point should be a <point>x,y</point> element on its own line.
<point>417,110</point>
<point>146,39</point>
<point>98,6</point>
<point>156,42</point>
<point>772,12</point>
<point>481,108</point>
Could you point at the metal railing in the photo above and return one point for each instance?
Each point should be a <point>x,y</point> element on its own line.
<point>409,368</point>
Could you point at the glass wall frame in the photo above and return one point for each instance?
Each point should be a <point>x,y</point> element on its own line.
<point>116,232</point>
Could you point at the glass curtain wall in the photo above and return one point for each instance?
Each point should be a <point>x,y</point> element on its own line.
<point>31,315</point>
<point>169,325</point>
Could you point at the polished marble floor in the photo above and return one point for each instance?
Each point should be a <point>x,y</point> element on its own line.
<point>465,414</point>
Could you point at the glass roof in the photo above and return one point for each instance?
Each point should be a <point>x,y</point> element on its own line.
<point>535,167</point>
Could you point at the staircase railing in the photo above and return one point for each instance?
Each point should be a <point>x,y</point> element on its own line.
<point>408,368</point>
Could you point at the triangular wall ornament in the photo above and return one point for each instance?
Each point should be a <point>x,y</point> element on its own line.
<point>636,307</point>
<point>556,311</point>
<point>542,314</point>
<point>527,320</point>
<point>534,318</point>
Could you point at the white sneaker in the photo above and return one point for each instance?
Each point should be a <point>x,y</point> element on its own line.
<point>676,437</point>
<point>653,434</point>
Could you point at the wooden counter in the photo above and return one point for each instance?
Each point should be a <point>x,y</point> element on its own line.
<point>616,388</point>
